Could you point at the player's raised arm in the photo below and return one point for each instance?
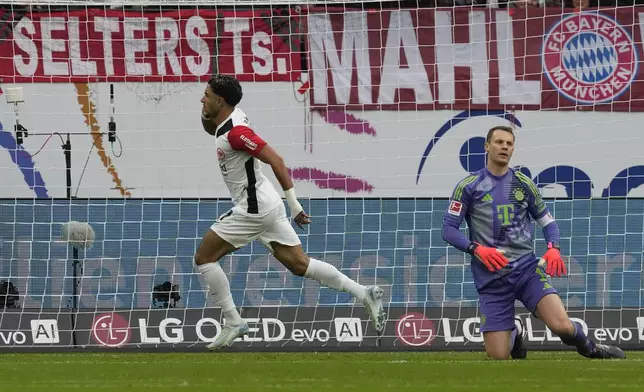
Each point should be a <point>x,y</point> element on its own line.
<point>541,214</point>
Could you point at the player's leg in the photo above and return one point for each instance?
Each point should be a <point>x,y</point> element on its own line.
<point>541,298</point>
<point>551,311</point>
<point>496,304</point>
<point>519,351</point>
<point>497,344</point>
<point>505,344</point>
<point>227,234</point>
<point>211,249</point>
<point>294,258</point>
<point>280,238</point>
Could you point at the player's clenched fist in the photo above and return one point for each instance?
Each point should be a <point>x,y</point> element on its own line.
<point>493,258</point>
<point>555,265</point>
<point>302,219</point>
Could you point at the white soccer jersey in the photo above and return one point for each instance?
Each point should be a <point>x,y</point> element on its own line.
<point>237,146</point>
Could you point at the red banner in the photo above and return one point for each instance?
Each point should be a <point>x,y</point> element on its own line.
<point>111,45</point>
<point>431,59</point>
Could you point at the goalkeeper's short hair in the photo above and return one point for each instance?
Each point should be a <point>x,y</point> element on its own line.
<point>488,138</point>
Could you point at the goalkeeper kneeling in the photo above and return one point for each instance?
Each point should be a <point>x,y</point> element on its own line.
<point>500,205</point>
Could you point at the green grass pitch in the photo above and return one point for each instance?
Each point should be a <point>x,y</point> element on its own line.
<point>309,372</point>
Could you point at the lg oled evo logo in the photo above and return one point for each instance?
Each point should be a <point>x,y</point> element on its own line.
<point>577,182</point>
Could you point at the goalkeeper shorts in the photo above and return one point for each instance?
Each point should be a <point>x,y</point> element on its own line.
<point>529,285</point>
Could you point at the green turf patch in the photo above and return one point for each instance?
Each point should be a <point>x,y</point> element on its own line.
<point>310,372</point>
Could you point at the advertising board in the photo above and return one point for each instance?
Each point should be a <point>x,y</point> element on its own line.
<point>304,329</point>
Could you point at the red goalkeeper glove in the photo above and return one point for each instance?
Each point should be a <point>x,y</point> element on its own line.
<point>555,265</point>
<point>491,257</point>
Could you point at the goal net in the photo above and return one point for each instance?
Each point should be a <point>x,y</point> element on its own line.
<point>378,108</point>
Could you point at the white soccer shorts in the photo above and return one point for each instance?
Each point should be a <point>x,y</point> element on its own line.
<point>240,229</point>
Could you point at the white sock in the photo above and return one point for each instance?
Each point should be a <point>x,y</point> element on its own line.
<point>220,288</point>
<point>329,276</point>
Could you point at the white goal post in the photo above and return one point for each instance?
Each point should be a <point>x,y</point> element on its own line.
<point>379,109</point>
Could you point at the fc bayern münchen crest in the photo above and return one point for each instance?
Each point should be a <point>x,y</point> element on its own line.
<point>589,58</point>
<point>518,194</point>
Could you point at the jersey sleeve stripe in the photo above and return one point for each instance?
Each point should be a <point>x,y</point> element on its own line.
<point>458,192</point>
<point>524,179</point>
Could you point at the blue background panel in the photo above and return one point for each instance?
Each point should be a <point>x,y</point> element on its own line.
<point>395,243</point>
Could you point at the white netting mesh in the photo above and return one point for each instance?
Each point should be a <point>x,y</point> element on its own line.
<point>379,109</point>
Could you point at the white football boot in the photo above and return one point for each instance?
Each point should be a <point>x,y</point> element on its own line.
<point>228,335</point>
<point>373,303</point>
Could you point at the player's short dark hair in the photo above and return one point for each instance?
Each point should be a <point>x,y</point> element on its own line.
<point>227,87</point>
<point>499,128</point>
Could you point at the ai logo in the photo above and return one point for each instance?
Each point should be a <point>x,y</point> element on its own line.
<point>348,329</point>
<point>45,331</point>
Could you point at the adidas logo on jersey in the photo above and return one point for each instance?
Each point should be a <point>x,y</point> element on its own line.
<point>487,197</point>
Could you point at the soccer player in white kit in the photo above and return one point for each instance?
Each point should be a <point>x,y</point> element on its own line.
<point>258,212</point>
